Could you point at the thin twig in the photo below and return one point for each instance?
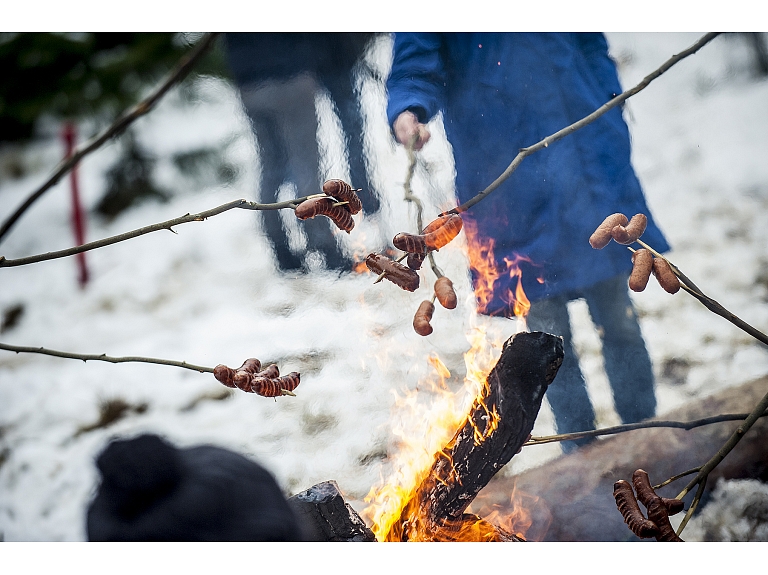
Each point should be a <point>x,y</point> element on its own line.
<point>411,197</point>
<point>180,71</point>
<point>105,357</point>
<point>640,425</point>
<point>676,477</point>
<point>692,508</point>
<point>109,359</point>
<point>525,152</point>
<point>167,225</point>
<point>436,270</point>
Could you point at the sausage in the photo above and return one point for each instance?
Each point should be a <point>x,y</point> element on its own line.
<point>642,262</point>
<point>414,261</point>
<point>411,243</point>
<point>291,381</point>
<point>602,235</point>
<point>248,378</point>
<point>658,510</point>
<point>630,511</point>
<point>250,365</point>
<point>445,293</point>
<point>226,375</point>
<point>422,318</point>
<point>274,387</point>
<point>436,223</point>
<point>270,372</point>
<point>673,506</point>
<point>323,206</point>
<point>444,233</point>
<point>437,234</point>
<point>397,273</point>
<point>665,276</point>
<point>632,232</point>
<point>343,192</point>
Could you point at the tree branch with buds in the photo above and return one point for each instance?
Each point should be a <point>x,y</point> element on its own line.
<point>613,430</point>
<point>167,225</point>
<point>249,377</point>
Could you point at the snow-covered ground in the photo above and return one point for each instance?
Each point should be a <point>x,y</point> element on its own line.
<point>211,294</point>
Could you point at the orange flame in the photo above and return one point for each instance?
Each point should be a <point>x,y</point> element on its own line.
<point>483,263</point>
<point>487,272</point>
<point>517,518</point>
<point>432,415</point>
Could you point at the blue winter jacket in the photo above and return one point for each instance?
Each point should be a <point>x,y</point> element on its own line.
<point>502,92</point>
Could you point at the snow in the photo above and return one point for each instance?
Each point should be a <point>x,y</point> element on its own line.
<point>211,294</point>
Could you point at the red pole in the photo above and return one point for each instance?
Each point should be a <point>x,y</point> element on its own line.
<point>69,135</point>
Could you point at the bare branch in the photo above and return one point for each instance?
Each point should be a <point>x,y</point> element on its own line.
<point>167,225</point>
<point>641,425</point>
<point>411,197</point>
<point>105,357</point>
<point>180,71</point>
<point>678,476</point>
<point>525,152</point>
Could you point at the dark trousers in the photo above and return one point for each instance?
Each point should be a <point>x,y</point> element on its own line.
<point>627,362</point>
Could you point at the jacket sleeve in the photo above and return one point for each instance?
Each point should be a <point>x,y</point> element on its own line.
<point>416,79</point>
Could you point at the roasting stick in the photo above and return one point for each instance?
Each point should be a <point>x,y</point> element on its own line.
<point>411,197</point>
<point>110,359</point>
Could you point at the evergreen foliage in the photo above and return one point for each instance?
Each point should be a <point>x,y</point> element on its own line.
<point>95,75</point>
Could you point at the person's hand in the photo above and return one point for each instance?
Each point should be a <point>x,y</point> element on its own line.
<point>408,130</point>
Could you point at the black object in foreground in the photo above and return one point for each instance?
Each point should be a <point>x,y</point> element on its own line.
<point>325,516</point>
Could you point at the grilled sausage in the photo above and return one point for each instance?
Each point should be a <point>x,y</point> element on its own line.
<point>445,293</point>
<point>397,273</point>
<point>422,318</point>
<point>665,276</point>
<point>226,375</point>
<point>630,511</point>
<point>414,261</point>
<point>343,192</point>
<point>602,235</point>
<point>633,231</point>
<point>437,234</point>
<point>642,262</point>
<point>323,206</point>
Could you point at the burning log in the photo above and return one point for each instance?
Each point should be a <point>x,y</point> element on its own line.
<point>325,516</point>
<point>498,424</point>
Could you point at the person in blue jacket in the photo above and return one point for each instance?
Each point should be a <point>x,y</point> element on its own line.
<point>499,93</point>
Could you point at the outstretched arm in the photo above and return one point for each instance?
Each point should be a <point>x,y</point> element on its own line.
<point>415,86</point>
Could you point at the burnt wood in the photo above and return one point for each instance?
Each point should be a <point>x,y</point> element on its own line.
<point>325,516</point>
<point>528,364</point>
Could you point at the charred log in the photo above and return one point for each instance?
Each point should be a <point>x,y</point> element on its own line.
<point>325,516</point>
<point>497,426</point>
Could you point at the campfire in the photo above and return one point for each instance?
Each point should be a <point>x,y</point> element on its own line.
<point>469,436</point>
